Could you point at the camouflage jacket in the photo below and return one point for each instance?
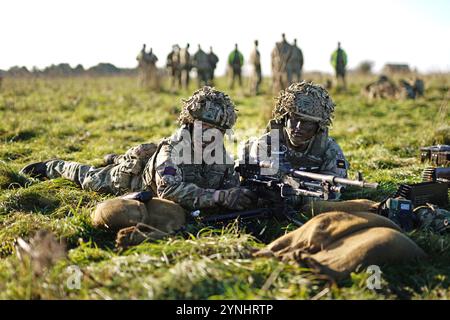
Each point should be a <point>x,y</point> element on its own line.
<point>188,184</point>
<point>322,152</point>
<point>201,60</point>
<point>296,58</point>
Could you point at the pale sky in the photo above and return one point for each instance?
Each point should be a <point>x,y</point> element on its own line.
<point>43,32</point>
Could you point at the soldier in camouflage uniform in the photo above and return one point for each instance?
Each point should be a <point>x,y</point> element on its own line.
<point>256,75</point>
<point>121,174</point>
<point>295,64</point>
<point>302,114</point>
<point>280,56</point>
<point>148,72</point>
<point>384,88</point>
<point>203,67</point>
<point>213,60</point>
<point>151,167</point>
<point>198,185</point>
<point>185,66</point>
<point>381,89</point>
<point>173,67</point>
<point>142,66</point>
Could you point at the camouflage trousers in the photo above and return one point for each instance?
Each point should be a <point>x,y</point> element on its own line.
<point>116,179</point>
<point>255,80</point>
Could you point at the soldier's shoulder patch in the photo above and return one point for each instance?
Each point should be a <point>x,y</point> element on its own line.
<point>341,164</point>
<point>169,171</point>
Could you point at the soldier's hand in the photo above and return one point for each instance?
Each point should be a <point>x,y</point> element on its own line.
<point>235,198</point>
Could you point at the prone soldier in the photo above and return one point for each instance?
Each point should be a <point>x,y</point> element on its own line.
<point>301,117</point>
<point>186,185</point>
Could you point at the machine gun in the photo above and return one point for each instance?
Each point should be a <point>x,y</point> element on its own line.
<point>280,193</point>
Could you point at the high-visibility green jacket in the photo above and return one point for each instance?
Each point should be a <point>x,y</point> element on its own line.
<point>335,57</point>
<point>235,57</point>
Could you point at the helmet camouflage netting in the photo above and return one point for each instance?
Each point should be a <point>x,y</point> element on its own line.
<point>307,100</point>
<point>209,105</point>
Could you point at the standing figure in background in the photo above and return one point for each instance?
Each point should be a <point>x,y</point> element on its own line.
<point>147,70</point>
<point>152,71</point>
<point>201,64</point>
<point>142,70</point>
<point>295,64</point>
<point>173,67</point>
<point>185,66</point>
<point>280,57</point>
<point>235,63</point>
<point>339,63</point>
<point>213,60</point>
<point>256,75</point>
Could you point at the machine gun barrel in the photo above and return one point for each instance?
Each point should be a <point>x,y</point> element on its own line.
<point>333,179</point>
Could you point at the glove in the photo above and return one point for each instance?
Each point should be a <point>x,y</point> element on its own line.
<point>235,198</point>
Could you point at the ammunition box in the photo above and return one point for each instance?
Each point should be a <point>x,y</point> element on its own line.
<point>424,192</point>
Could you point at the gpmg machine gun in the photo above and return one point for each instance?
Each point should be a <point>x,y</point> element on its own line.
<point>280,193</point>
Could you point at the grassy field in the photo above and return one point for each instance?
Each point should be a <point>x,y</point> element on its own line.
<point>83,119</point>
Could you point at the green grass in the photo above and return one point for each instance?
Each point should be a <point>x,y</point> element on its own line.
<point>83,119</point>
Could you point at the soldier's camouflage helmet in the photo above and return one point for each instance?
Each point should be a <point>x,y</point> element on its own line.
<point>211,106</point>
<point>306,99</point>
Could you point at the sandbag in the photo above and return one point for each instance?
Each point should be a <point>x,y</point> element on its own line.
<point>121,213</point>
<point>336,243</point>
<point>118,213</point>
<point>373,246</point>
<point>358,205</point>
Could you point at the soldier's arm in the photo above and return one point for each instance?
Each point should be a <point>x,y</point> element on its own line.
<point>335,162</point>
<point>170,184</point>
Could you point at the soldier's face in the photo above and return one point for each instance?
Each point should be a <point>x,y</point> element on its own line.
<point>300,130</point>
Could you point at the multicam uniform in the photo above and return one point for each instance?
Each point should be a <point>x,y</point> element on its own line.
<point>384,88</point>
<point>295,65</point>
<point>280,56</point>
<point>213,60</point>
<point>203,67</point>
<point>124,175</point>
<point>185,66</point>
<point>190,185</point>
<point>151,167</point>
<point>256,75</point>
<point>322,152</point>
<point>310,102</point>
